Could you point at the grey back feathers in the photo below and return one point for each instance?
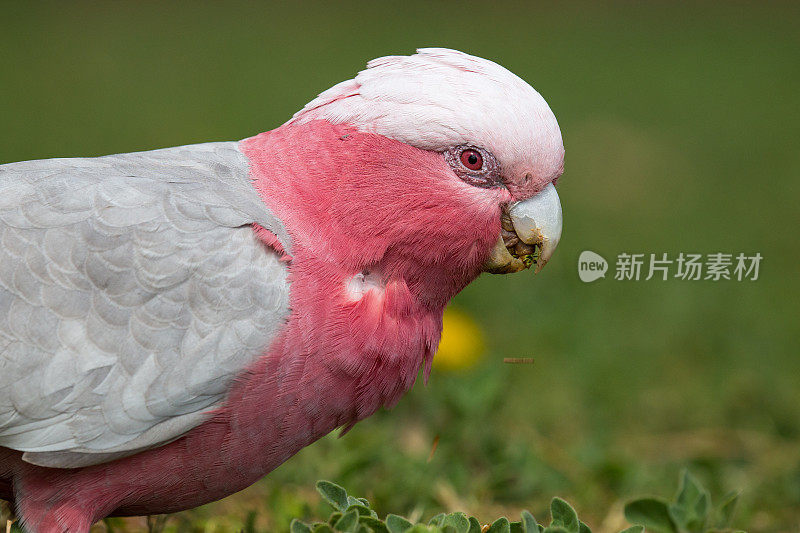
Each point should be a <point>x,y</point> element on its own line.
<point>133,290</point>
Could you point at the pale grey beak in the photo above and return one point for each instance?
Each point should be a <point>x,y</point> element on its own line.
<point>530,233</point>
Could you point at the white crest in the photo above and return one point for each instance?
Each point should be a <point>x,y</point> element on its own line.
<point>439,98</point>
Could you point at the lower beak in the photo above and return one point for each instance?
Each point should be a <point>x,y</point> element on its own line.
<point>530,233</point>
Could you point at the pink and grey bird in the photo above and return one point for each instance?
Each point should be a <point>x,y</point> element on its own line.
<point>174,324</point>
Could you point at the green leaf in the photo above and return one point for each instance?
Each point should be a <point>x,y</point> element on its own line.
<point>652,513</point>
<point>333,494</point>
<point>703,505</point>
<point>699,516</point>
<point>692,503</point>
<point>500,525</point>
<point>584,528</point>
<point>474,525</point>
<point>516,527</point>
<point>334,517</point>
<point>358,502</point>
<point>298,527</point>
<point>397,524</point>
<point>554,529</point>
<point>529,523</point>
<point>373,523</point>
<point>563,515</point>
<point>633,529</point>
<point>348,522</point>
<point>360,509</point>
<point>688,491</point>
<point>436,520</point>
<point>727,509</point>
<point>322,528</point>
<point>458,521</point>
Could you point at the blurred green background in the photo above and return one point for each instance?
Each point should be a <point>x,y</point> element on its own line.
<point>681,125</point>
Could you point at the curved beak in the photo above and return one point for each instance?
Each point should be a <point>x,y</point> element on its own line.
<point>530,233</point>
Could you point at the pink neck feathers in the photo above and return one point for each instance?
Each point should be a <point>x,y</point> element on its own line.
<point>383,234</point>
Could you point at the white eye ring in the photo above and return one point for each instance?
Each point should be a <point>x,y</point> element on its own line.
<point>474,165</point>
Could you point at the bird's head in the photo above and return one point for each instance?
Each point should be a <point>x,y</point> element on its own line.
<point>438,158</point>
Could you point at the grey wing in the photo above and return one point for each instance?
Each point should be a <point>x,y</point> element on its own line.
<point>132,291</point>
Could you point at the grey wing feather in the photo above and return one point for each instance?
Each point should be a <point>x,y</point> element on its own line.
<point>132,291</point>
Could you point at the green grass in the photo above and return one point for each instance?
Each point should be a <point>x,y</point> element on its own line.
<point>681,126</point>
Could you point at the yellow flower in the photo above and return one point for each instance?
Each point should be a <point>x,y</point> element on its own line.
<point>462,343</point>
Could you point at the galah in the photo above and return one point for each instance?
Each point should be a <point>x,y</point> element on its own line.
<point>174,324</point>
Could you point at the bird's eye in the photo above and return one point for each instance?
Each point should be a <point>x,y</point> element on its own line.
<point>476,166</point>
<point>472,159</point>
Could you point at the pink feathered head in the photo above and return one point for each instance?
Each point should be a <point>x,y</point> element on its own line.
<point>409,167</point>
<point>440,98</point>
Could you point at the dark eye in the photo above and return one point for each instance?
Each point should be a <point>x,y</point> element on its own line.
<point>472,159</point>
